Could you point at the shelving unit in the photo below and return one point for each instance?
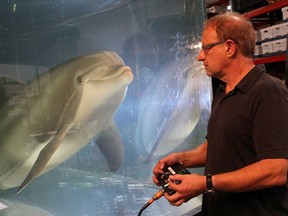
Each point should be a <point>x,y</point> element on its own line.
<point>265,10</point>
<point>270,59</point>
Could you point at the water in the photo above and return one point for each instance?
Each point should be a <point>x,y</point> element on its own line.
<point>165,109</point>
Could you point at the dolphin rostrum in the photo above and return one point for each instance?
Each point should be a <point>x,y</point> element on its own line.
<point>64,108</point>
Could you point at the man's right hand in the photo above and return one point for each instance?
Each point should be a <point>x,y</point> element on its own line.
<point>165,162</point>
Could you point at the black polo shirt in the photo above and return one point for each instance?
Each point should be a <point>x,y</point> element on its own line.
<point>246,125</point>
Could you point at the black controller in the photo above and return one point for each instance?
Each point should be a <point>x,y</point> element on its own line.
<point>171,170</point>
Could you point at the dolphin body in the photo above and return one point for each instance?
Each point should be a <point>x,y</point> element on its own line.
<point>12,208</point>
<point>171,107</point>
<point>67,106</point>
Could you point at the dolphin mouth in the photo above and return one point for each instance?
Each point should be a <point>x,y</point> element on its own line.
<point>90,76</point>
<point>126,71</point>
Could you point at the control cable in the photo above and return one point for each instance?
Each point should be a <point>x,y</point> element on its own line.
<point>156,196</point>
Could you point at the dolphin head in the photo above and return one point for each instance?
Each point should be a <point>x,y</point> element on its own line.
<point>87,84</point>
<point>104,81</point>
<point>103,66</point>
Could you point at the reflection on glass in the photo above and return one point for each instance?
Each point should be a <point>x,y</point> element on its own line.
<point>61,95</point>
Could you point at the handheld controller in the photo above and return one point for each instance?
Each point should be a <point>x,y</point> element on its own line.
<point>171,170</point>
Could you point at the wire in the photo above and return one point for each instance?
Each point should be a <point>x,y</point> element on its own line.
<point>156,196</point>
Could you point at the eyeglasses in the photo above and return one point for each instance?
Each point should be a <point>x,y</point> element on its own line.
<point>207,47</point>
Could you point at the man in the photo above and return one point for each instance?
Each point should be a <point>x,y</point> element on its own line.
<point>246,152</point>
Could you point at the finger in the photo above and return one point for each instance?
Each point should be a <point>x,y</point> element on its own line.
<point>158,168</point>
<point>177,202</point>
<point>175,177</point>
<point>161,164</point>
<point>175,199</point>
<point>157,171</point>
<point>175,180</point>
<point>155,180</point>
<point>172,185</point>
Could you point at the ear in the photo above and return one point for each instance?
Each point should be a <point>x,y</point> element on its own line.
<point>231,48</point>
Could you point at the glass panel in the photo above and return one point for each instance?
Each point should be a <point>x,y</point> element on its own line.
<point>65,109</point>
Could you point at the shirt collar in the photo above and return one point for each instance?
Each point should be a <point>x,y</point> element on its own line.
<point>246,82</point>
<point>249,79</point>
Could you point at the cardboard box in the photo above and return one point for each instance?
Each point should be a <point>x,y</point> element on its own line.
<point>266,33</point>
<point>280,29</point>
<point>258,51</point>
<point>258,36</point>
<point>267,48</point>
<point>285,12</point>
<point>279,46</point>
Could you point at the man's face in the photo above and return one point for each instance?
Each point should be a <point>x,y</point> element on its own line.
<point>212,53</point>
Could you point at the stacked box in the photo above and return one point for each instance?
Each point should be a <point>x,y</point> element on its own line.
<point>279,46</point>
<point>280,29</point>
<point>267,48</point>
<point>258,36</point>
<point>258,51</point>
<point>285,13</point>
<point>275,47</point>
<point>266,33</point>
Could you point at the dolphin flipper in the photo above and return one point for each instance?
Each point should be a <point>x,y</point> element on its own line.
<point>110,144</point>
<point>44,157</point>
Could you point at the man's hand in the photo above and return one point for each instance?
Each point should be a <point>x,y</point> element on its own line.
<point>165,162</point>
<point>191,185</point>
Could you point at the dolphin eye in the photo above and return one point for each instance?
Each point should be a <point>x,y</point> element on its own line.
<point>79,80</point>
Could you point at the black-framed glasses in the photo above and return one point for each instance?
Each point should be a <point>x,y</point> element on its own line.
<point>207,47</point>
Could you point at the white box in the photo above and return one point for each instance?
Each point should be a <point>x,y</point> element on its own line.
<point>258,35</point>
<point>280,29</point>
<point>285,15</point>
<point>267,48</point>
<point>285,12</point>
<point>279,45</point>
<point>216,9</point>
<point>258,51</point>
<point>266,33</point>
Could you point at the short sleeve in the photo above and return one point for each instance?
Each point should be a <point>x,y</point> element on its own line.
<point>270,125</point>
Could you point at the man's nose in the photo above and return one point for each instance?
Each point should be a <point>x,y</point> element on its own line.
<point>201,56</point>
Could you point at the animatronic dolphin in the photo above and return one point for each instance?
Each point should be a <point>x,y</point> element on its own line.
<point>171,107</point>
<point>67,106</point>
<point>12,208</point>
